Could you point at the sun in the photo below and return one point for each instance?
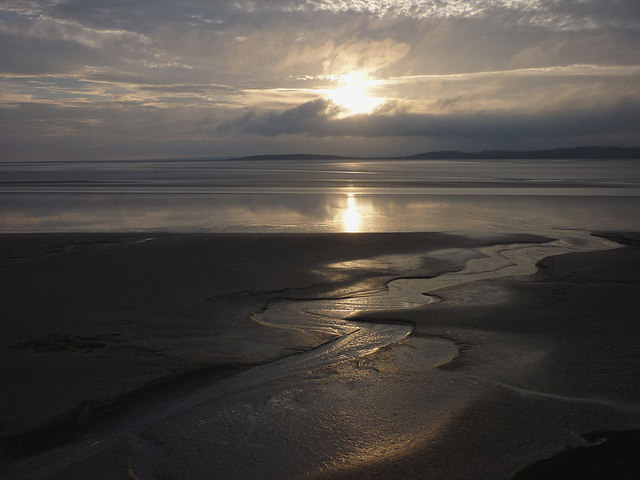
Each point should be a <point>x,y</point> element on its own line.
<point>352,94</point>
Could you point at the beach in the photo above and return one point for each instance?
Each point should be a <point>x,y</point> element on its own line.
<point>163,356</point>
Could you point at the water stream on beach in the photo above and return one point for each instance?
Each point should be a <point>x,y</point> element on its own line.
<point>356,339</point>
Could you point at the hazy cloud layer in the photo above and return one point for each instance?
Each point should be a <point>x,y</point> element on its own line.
<point>105,78</point>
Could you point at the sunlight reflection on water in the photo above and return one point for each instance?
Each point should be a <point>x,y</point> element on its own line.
<point>312,213</point>
<point>319,196</point>
<point>351,217</point>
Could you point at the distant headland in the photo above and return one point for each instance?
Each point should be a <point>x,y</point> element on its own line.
<point>555,153</point>
<point>292,156</point>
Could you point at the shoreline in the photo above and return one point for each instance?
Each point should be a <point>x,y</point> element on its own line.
<point>281,264</point>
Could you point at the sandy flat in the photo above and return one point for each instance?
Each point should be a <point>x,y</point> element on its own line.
<point>153,340</point>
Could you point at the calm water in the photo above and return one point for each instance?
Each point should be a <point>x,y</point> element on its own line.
<point>320,196</point>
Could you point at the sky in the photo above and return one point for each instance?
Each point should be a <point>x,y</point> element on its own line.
<point>124,79</point>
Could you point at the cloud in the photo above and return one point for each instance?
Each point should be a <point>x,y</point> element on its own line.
<point>41,56</point>
<point>306,118</point>
<point>551,14</point>
<point>318,118</point>
<point>575,70</point>
<point>364,55</point>
<point>46,132</point>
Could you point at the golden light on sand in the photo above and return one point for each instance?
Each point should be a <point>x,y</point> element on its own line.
<point>352,95</point>
<point>351,217</point>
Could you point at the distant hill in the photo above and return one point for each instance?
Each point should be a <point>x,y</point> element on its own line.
<point>292,156</point>
<point>555,153</point>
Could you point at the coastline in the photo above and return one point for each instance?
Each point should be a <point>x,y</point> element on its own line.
<point>115,316</point>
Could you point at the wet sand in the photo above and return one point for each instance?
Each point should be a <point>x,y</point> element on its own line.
<point>132,355</point>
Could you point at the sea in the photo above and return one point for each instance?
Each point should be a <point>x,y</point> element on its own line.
<point>319,195</point>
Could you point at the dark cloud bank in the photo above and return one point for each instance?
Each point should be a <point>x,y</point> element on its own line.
<point>318,118</point>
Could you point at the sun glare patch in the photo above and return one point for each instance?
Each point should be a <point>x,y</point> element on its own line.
<point>352,95</point>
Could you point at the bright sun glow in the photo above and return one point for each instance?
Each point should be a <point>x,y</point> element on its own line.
<point>352,95</point>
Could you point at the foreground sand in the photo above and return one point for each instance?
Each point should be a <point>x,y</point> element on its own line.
<point>101,334</point>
